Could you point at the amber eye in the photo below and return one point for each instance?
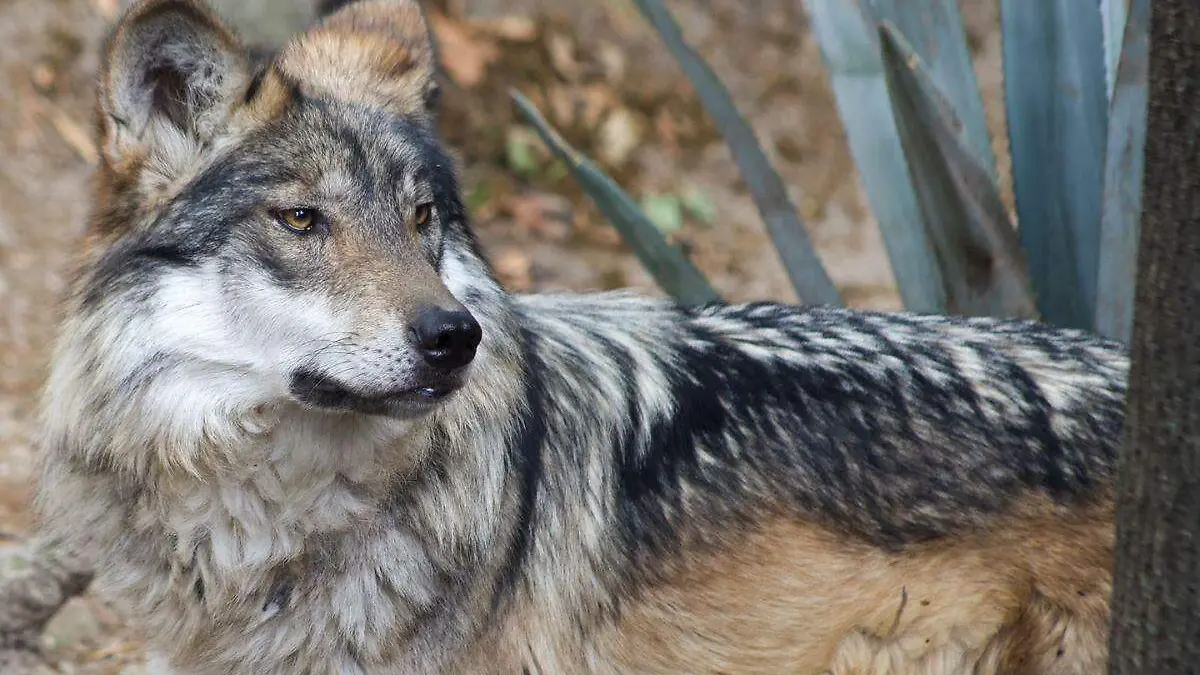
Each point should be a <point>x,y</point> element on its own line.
<point>297,220</point>
<point>422,214</point>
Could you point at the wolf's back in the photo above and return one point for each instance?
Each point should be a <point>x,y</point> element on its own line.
<point>895,427</point>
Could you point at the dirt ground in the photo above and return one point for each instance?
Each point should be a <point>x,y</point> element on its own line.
<point>592,66</point>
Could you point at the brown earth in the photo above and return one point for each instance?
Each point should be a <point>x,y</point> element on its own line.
<point>600,75</point>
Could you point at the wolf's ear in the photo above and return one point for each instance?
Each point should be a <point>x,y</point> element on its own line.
<point>378,52</point>
<point>171,68</point>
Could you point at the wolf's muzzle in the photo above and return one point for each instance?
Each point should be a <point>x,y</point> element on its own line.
<point>446,339</point>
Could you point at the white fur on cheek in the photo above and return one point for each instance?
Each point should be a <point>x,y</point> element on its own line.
<point>252,323</point>
<point>311,330</point>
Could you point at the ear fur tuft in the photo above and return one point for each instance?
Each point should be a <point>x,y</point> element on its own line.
<point>377,52</point>
<point>171,68</point>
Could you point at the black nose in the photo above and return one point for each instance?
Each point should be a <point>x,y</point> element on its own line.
<point>447,339</point>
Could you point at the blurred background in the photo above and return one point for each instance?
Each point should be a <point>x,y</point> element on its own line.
<point>593,67</point>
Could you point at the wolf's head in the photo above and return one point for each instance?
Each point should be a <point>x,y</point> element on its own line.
<point>292,228</point>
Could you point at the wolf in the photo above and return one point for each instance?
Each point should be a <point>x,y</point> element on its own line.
<point>299,427</point>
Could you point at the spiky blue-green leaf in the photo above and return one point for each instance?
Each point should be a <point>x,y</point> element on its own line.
<point>795,248</point>
<point>966,222</point>
<point>1054,85</point>
<point>850,48</point>
<point>666,263</point>
<point>934,28</point>
<point>1113,15</point>
<point>1120,223</point>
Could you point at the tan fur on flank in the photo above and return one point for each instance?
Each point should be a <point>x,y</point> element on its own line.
<point>1026,596</point>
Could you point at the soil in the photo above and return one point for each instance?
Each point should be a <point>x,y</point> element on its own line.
<point>597,71</point>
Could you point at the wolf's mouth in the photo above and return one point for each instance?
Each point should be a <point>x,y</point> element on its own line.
<point>320,391</point>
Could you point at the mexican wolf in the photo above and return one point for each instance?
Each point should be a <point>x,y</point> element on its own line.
<point>303,430</point>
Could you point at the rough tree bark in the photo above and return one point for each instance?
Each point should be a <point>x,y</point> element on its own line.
<point>1156,595</point>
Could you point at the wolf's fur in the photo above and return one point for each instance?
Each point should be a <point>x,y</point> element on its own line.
<point>620,485</point>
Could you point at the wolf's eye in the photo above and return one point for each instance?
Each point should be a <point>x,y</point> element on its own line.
<point>297,220</point>
<point>422,214</point>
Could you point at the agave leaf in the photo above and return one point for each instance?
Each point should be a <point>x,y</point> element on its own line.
<point>795,248</point>
<point>1120,222</point>
<point>1054,85</point>
<point>1113,14</point>
<point>934,28</point>
<point>966,221</point>
<point>850,48</point>
<point>669,266</point>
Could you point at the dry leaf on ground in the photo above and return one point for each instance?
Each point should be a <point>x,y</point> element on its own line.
<point>542,215</point>
<point>464,53</point>
<point>514,268</point>
<point>511,27</point>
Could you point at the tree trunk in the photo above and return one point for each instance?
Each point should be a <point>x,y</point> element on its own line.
<point>1156,594</point>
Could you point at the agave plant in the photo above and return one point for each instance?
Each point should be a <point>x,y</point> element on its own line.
<point>1075,91</point>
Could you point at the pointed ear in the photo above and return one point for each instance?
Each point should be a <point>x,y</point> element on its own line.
<point>171,71</point>
<point>378,52</point>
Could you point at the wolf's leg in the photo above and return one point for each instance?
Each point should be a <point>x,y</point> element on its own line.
<point>860,653</point>
<point>1049,639</point>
